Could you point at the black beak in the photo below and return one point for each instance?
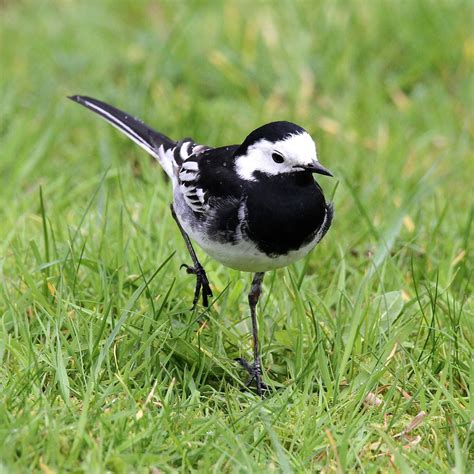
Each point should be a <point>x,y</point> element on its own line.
<point>316,167</point>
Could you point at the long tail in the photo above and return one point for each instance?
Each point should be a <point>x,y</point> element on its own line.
<point>150,140</point>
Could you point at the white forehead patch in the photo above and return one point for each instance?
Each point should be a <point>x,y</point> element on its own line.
<point>297,150</point>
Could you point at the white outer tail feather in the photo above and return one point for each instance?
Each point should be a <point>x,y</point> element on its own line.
<point>160,153</point>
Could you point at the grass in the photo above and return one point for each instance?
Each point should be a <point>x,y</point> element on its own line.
<point>367,342</point>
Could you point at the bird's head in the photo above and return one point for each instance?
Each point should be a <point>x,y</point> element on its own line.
<point>275,149</point>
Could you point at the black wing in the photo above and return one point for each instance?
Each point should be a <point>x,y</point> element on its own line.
<point>207,178</point>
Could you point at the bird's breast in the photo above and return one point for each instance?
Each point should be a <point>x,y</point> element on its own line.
<point>285,218</point>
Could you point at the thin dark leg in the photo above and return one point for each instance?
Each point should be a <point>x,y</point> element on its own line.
<point>254,295</point>
<point>255,370</point>
<point>202,283</point>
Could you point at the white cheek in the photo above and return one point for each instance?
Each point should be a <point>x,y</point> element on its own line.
<point>247,165</point>
<point>298,150</point>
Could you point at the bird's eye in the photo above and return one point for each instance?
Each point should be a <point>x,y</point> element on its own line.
<point>277,158</point>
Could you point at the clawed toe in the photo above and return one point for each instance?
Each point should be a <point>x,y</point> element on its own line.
<point>189,269</point>
<point>202,283</point>
<point>255,375</point>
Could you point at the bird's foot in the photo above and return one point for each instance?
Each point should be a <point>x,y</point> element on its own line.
<point>255,374</point>
<point>202,284</point>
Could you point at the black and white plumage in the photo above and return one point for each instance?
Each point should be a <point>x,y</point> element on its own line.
<point>253,207</point>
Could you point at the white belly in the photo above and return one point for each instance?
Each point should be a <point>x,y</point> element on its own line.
<point>246,257</point>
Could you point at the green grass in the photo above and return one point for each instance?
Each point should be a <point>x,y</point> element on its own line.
<point>103,367</point>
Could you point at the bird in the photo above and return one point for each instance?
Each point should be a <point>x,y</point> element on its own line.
<point>253,206</point>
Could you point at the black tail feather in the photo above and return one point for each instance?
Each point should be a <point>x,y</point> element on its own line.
<point>149,139</point>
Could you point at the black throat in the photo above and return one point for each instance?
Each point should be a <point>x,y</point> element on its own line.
<point>284,211</point>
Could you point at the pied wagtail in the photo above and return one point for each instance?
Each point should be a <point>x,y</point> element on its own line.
<point>253,207</point>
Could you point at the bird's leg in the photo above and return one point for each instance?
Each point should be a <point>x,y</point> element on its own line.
<point>202,283</point>
<point>255,370</point>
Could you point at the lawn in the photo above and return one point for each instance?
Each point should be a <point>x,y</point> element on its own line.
<point>367,343</point>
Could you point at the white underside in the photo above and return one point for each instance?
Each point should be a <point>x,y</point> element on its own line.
<point>245,256</point>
